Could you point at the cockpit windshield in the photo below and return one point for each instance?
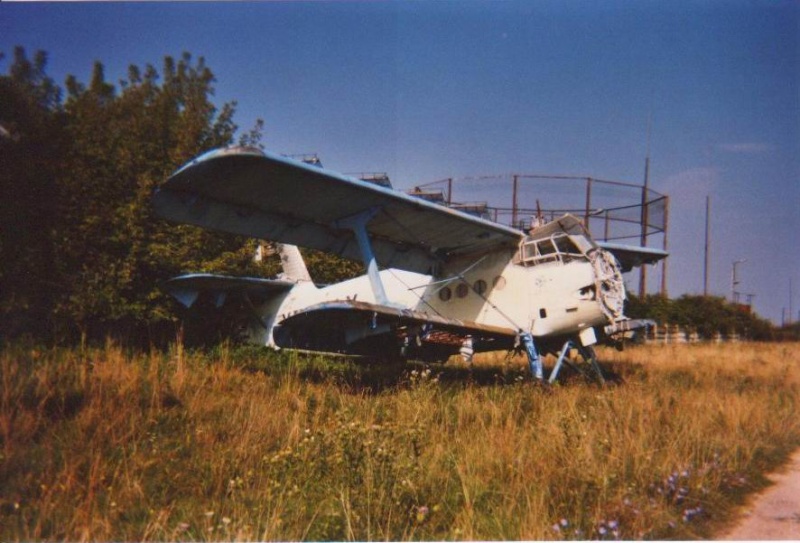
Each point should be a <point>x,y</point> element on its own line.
<point>559,247</point>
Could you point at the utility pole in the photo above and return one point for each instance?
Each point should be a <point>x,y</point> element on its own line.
<point>707,247</point>
<point>645,218</point>
<point>664,246</point>
<point>449,191</point>
<point>514,203</point>
<point>587,211</point>
<point>735,280</point>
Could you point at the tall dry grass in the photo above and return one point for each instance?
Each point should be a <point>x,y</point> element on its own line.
<point>103,444</point>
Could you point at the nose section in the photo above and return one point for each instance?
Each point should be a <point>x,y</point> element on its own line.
<point>609,284</point>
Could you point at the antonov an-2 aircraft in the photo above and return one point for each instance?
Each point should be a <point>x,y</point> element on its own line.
<point>439,281</point>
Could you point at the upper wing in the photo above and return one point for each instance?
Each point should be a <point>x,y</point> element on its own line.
<point>187,288</point>
<point>630,256</point>
<point>246,191</point>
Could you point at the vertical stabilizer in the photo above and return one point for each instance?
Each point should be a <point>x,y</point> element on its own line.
<point>294,267</point>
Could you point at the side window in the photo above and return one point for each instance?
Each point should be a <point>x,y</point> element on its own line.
<point>528,251</point>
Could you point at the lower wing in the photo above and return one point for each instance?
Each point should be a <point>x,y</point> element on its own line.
<point>375,330</point>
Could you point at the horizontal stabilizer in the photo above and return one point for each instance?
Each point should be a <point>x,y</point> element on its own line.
<point>187,288</point>
<point>631,256</point>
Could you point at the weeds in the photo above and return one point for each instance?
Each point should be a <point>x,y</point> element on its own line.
<point>250,444</point>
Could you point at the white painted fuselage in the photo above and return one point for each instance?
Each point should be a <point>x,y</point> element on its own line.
<point>549,298</point>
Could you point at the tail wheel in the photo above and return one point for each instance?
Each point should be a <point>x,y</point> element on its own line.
<point>608,283</point>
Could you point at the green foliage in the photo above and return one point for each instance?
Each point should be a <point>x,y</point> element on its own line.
<point>327,269</point>
<point>125,144</point>
<point>83,253</point>
<point>31,139</point>
<point>790,332</point>
<point>707,314</point>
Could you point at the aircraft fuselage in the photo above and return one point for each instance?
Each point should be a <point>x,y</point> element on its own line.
<point>550,295</point>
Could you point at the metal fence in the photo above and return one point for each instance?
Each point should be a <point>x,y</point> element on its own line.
<point>611,210</point>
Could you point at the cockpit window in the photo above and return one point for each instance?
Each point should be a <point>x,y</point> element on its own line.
<point>546,247</point>
<point>565,245</point>
<point>557,248</point>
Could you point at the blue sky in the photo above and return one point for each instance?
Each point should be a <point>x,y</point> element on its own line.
<point>426,90</point>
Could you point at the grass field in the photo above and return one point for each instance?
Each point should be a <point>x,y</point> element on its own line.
<point>103,444</point>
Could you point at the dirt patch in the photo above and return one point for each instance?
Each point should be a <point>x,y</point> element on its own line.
<point>773,514</point>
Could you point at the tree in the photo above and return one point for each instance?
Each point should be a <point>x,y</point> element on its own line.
<point>125,145</point>
<point>81,222</point>
<point>31,140</point>
<point>82,252</point>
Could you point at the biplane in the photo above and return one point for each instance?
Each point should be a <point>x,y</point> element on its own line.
<point>438,281</point>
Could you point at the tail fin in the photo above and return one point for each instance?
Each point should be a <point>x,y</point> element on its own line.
<point>294,267</point>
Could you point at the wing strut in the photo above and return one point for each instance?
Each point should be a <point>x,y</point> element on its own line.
<point>358,224</point>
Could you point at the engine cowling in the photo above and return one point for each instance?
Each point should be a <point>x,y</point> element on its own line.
<point>609,284</point>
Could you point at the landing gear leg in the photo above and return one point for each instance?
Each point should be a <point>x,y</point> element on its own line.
<point>562,357</point>
<point>589,358</point>
<point>534,358</point>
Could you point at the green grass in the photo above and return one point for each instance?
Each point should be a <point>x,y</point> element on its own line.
<point>103,444</point>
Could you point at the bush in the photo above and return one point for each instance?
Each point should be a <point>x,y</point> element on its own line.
<point>706,314</point>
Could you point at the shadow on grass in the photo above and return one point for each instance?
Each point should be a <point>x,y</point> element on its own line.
<point>375,376</point>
